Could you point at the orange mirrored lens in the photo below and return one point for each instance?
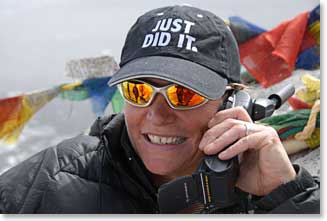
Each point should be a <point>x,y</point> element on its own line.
<point>139,93</point>
<point>181,96</point>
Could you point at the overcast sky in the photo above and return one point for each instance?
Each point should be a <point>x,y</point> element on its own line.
<point>37,37</point>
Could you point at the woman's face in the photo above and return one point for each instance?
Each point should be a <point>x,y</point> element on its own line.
<point>167,140</point>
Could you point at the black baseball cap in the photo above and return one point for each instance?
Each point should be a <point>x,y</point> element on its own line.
<point>182,44</point>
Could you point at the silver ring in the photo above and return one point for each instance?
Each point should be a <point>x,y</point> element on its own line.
<point>248,128</point>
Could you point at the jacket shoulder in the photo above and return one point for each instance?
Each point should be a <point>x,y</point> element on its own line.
<point>301,195</point>
<point>25,183</point>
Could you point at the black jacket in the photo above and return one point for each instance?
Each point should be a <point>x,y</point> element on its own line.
<point>101,173</point>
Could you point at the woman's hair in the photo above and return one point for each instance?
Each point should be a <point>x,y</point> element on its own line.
<point>231,88</point>
<point>236,86</point>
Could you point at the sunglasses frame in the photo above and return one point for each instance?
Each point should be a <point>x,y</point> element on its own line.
<point>162,90</point>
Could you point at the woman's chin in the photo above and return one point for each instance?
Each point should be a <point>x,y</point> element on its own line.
<point>169,160</point>
<point>160,167</point>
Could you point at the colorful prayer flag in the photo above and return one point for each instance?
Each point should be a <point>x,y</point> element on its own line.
<point>17,111</point>
<point>271,56</point>
<point>243,30</point>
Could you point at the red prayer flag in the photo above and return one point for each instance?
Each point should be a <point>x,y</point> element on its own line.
<point>271,56</point>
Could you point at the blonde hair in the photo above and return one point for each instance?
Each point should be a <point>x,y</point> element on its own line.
<point>236,86</point>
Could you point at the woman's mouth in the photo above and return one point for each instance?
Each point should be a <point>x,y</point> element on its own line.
<point>155,139</point>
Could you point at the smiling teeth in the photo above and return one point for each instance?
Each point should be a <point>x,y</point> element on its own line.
<point>165,140</point>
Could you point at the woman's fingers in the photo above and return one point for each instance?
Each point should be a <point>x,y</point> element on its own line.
<point>227,133</point>
<point>238,113</point>
<point>231,129</point>
<point>227,138</point>
<point>255,141</point>
<point>215,132</point>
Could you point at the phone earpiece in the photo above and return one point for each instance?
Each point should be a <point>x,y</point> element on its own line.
<point>238,98</point>
<point>228,102</point>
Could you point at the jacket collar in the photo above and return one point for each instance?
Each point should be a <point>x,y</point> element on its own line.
<point>123,157</point>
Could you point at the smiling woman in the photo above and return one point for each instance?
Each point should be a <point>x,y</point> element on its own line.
<point>119,165</point>
<point>151,127</point>
<point>38,37</point>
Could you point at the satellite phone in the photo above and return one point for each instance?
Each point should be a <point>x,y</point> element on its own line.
<point>212,185</point>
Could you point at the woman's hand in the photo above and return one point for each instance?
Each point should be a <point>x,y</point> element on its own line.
<point>264,164</point>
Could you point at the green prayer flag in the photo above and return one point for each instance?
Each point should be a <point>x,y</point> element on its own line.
<point>76,94</point>
<point>117,102</point>
<point>297,118</point>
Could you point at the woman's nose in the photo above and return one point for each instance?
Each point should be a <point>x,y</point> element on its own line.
<point>159,112</point>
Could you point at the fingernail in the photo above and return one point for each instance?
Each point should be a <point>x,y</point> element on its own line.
<point>210,149</point>
<point>201,145</point>
<point>222,155</point>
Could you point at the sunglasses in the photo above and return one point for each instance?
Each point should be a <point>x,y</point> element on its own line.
<point>141,94</point>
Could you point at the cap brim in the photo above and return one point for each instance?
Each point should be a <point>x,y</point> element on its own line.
<point>189,74</point>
